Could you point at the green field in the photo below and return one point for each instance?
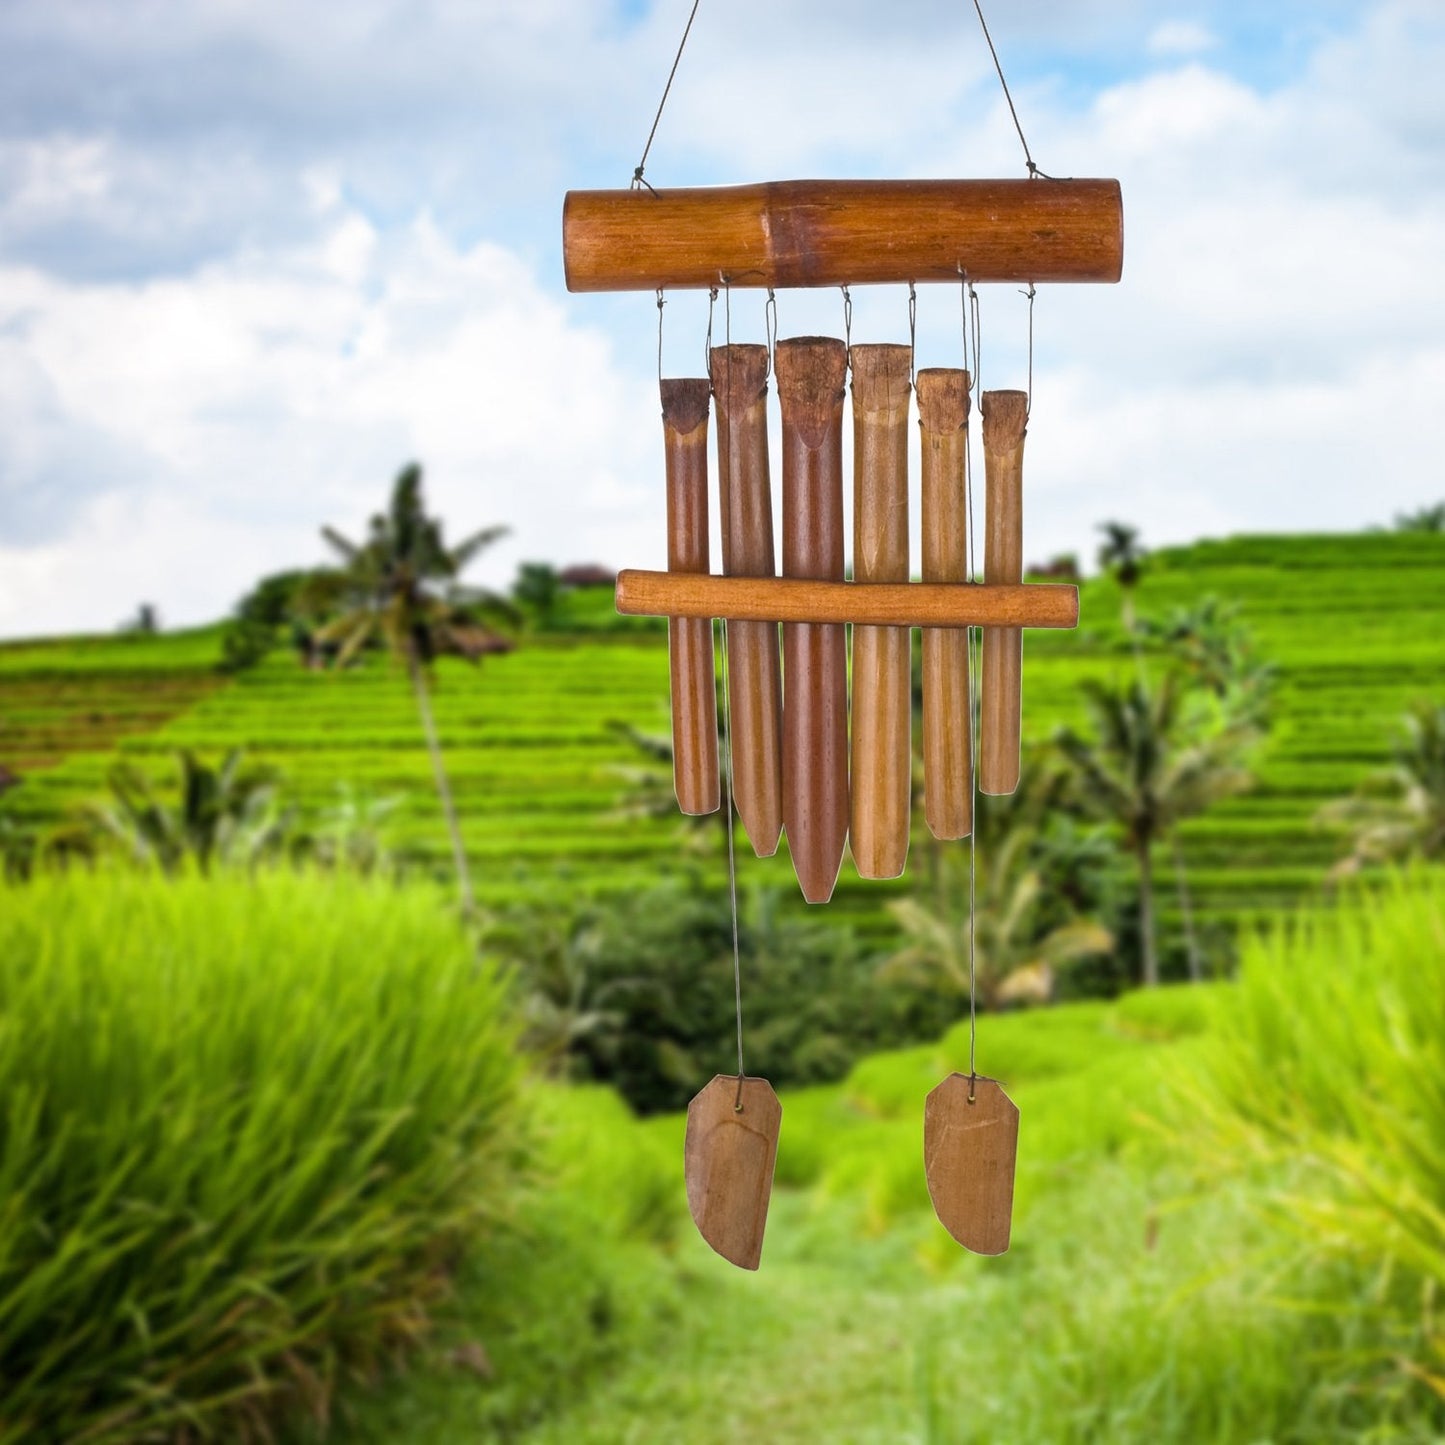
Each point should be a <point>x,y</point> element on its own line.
<point>1355,625</point>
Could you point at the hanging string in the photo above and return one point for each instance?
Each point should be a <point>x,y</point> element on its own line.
<point>661,302</point>
<point>912,336</point>
<point>975,662</point>
<point>971,379</point>
<point>637,177</point>
<point>1029,404</point>
<point>976,312</point>
<point>727,717</point>
<point>969,313</point>
<point>847,321</point>
<point>770,326</point>
<point>1034,171</point>
<point>707,341</point>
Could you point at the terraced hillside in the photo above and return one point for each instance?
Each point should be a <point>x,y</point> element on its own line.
<point>1356,625</point>
<point>86,694</point>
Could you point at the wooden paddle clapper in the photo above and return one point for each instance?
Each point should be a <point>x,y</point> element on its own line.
<point>793,764</point>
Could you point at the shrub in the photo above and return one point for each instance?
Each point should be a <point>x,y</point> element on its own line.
<point>248,1127</point>
<point>1329,1057</point>
<point>638,991</point>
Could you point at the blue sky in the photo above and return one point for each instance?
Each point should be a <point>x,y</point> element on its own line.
<point>255,256</point>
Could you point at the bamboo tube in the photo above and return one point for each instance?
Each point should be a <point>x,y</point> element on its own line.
<point>882,758</point>
<point>1005,418</point>
<point>947,708</point>
<point>835,233</point>
<point>689,639</point>
<point>641,593</point>
<point>755,685</point>
<point>811,375</point>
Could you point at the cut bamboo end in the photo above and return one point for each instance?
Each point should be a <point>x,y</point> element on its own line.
<point>942,399</point>
<point>1005,419</point>
<point>812,381</point>
<point>880,372</point>
<point>739,376</point>
<point>836,233</point>
<point>1053,605</point>
<point>685,403</point>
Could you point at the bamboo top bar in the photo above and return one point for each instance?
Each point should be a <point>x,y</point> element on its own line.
<point>836,233</point>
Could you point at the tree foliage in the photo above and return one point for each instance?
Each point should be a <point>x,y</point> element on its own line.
<point>220,814</point>
<point>1123,557</point>
<point>1399,813</point>
<point>402,585</point>
<point>1151,758</point>
<point>638,991</point>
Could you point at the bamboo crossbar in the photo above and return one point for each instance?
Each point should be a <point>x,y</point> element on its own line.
<point>836,233</point>
<point>642,593</point>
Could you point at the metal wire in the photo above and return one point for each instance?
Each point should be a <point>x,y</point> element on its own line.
<point>728,730</point>
<point>1033,170</point>
<point>638,179</point>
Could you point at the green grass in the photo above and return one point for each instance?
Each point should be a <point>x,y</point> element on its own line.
<point>1128,1308</point>
<point>246,1128</point>
<point>1330,1052</point>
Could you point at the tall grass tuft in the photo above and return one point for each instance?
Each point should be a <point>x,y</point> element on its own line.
<point>1329,1058</point>
<point>247,1127</point>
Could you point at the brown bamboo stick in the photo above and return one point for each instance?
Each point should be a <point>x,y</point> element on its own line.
<point>755,685</point>
<point>642,593</point>
<point>882,756</point>
<point>811,375</point>
<point>947,710</point>
<point>1005,419</point>
<point>833,233</point>
<point>689,639</point>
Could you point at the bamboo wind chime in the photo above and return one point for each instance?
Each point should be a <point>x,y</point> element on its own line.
<point>802,758</point>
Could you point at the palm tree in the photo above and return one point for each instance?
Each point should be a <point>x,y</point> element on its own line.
<point>1216,650</point>
<point>401,585</point>
<point>1121,556</point>
<point>1427,519</point>
<point>538,590</point>
<point>1016,955</point>
<point>571,1015</point>
<point>1399,812</point>
<point>650,789</point>
<point>224,814</point>
<point>1150,763</point>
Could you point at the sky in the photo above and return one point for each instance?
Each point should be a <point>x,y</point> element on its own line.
<point>256,256</point>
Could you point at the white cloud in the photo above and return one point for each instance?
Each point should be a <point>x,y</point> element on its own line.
<point>267,395</point>
<point>1181,37</point>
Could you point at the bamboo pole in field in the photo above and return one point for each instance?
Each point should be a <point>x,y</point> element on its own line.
<point>755,687</point>
<point>811,376</point>
<point>835,233</point>
<point>1005,420</point>
<point>882,755</point>
<point>689,639</point>
<point>947,712</point>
